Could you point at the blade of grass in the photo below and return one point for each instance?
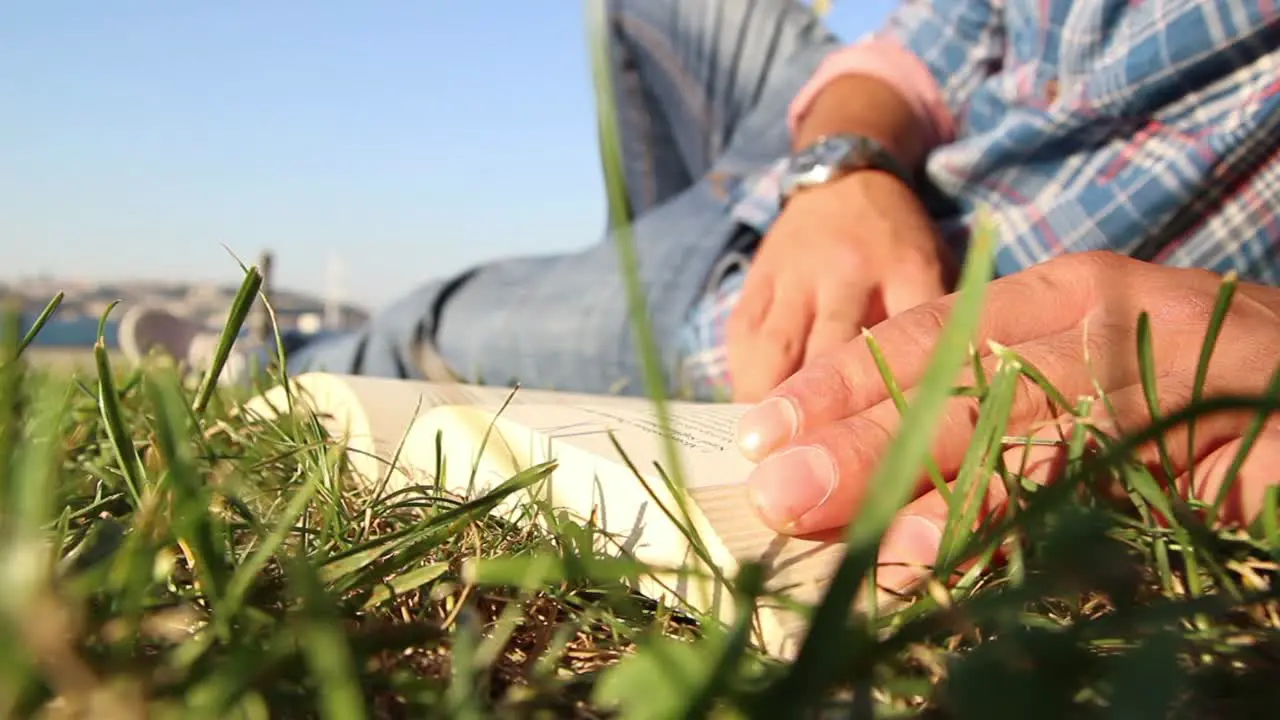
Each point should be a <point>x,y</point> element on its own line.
<point>547,569</point>
<point>282,361</point>
<point>1271,520</point>
<point>375,496</point>
<point>1055,396</point>
<point>900,402</point>
<point>1147,372</point>
<point>655,384</point>
<point>826,648</point>
<point>1147,493</point>
<point>404,583</point>
<point>1247,440</point>
<point>33,631</point>
<point>464,692</point>
<point>979,374</point>
<point>325,647</point>
<point>240,582</point>
<point>12,375</point>
<point>1191,558</point>
<point>113,418</point>
<point>748,587</point>
<point>1226,292</point>
<point>240,308</point>
<point>41,320</point>
<point>192,521</point>
<point>31,506</point>
<point>970,489</point>
<point>683,523</point>
<point>485,438</point>
<point>394,551</point>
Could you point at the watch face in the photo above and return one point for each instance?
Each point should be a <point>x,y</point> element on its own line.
<point>830,157</point>
<point>833,150</point>
<point>823,156</point>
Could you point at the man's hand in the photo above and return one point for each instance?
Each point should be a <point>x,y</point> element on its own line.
<point>839,258</point>
<point>822,432</point>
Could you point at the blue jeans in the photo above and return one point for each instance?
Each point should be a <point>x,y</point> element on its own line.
<point>702,90</point>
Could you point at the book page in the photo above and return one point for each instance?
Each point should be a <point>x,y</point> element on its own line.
<point>714,471</point>
<point>703,434</point>
<point>385,402</point>
<point>374,415</point>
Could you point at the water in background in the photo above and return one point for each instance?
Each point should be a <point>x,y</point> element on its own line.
<point>72,333</point>
<point>82,332</point>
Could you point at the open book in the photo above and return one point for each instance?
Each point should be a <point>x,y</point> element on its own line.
<point>382,419</point>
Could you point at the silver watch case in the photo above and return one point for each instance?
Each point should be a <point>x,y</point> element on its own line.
<point>834,156</point>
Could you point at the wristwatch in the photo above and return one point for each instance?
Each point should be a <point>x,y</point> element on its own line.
<point>833,156</point>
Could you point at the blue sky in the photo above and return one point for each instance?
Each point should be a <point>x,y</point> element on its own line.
<point>402,138</point>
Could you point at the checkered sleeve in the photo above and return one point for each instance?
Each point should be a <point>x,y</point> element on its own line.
<point>705,365</point>
<point>961,42</point>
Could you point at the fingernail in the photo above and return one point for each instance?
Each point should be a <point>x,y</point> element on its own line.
<point>767,426</point>
<point>913,540</point>
<point>786,487</point>
<point>908,552</point>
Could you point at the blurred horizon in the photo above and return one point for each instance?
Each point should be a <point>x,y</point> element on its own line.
<point>369,147</point>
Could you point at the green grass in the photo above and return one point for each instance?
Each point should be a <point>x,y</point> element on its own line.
<point>161,557</point>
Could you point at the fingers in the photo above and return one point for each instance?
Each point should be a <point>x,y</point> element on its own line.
<point>845,308</point>
<point>1126,411</point>
<point>766,336</point>
<point>911,543</point>
<point>819,481</point>
<point>907,553</point>
<point>841,315</point>
<point>822,481</point>
<point>847,382</point>
<point>1245,496</point>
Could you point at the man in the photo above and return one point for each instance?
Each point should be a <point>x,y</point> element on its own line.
<point>789,192</point>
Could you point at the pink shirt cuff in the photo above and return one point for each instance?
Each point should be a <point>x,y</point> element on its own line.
<point>889,62</point>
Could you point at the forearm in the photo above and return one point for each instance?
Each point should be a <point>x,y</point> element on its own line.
<point>865,105</point>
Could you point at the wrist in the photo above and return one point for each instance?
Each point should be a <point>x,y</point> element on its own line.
<point>868,107</point>
<point>870,191</point>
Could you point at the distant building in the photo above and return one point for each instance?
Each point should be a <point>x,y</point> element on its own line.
<point>84,303</point>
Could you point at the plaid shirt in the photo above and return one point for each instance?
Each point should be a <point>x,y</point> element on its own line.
<point>1145,128</point>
